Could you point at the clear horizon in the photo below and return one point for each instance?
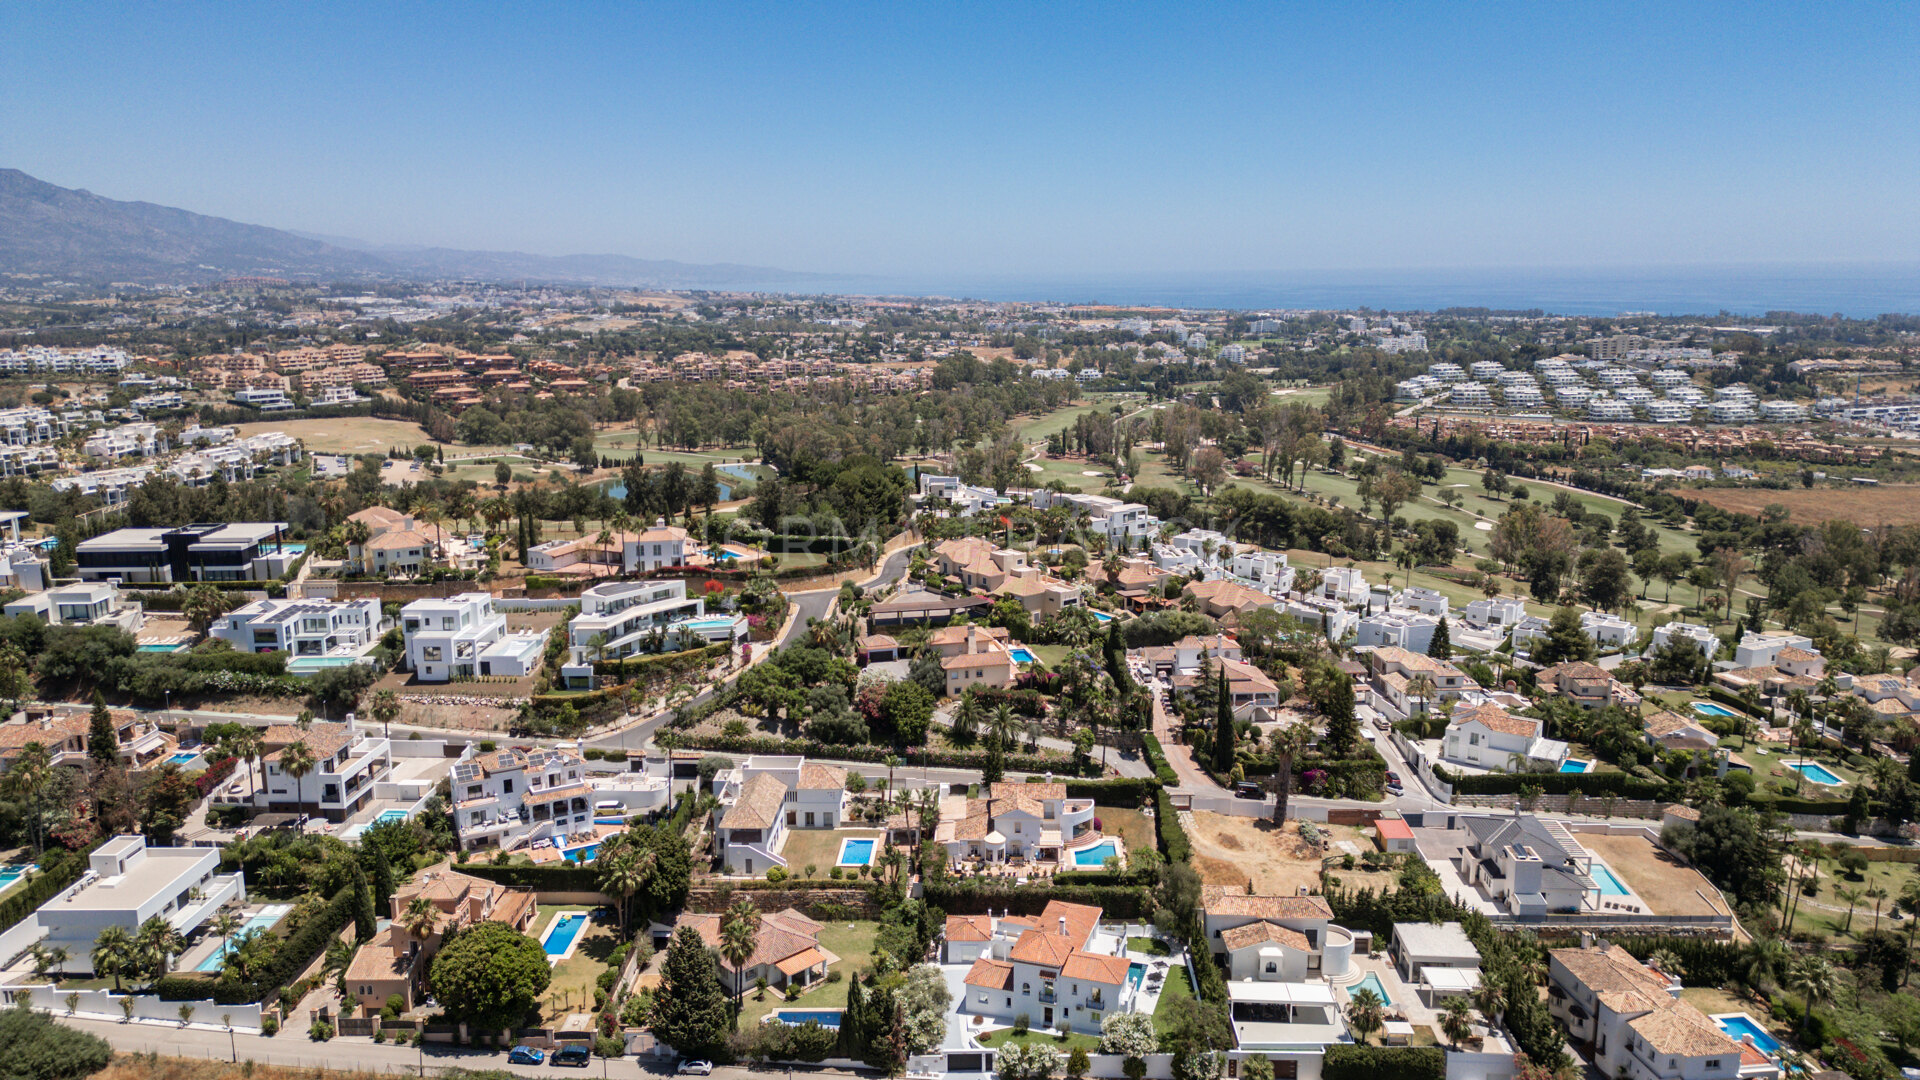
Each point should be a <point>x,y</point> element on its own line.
<point>873,141</point>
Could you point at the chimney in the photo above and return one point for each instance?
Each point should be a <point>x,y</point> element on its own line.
<point>1586,939</point>
<point>1063,926</point>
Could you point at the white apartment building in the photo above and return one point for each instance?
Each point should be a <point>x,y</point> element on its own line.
<point>1610,411</point>
<point>1730,412</point>
<point>127,440</point>
<point>1571,397</point>
<point>1615,378</point>
<point>1523,396</point>
<point>338,629</point>
<point>1668,378</point>
<point>625,618</point>
<point>509,798</point>
<point>1669,412</point>
<point>1471,395</point>
<point>1447,372</point>
<point>447,637</point>
<point>1488,369</point>
<point>1782,412</point>
<point>126,883</point>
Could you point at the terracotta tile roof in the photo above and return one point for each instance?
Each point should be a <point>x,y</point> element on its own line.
<point>878,641</point>
<point>1092,967</point>
<point>1495,718</point>
<point>1575,669</point>
<point>1682,1031</point>
<point>969,928</point>
<point>1413,661</point>
<point>58,730</point>
<point>1043,947</point>
<point>817,777</point>
<point>1666,722</point>
<point>1235,900</point>
<point>1609,969</point>
<point>988,659</point>
<point>324,740</point>
<point>1791,653</point>
<point>758,806</point>
<point>1081,919</point>
<point>992,974</point>
<point>1228,594</point>
<point>1260,933</point>
<point>784,935</point>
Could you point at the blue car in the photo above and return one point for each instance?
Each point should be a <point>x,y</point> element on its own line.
<point>526,1055</point>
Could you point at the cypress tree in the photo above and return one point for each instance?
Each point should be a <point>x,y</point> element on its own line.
<point>852,1036</point>
<point>690,1011</point>
<point>364,924</point>
<point>103,741</point>
<point>1442,646</point>
<point>995,769</point>
<point>1223,729</point>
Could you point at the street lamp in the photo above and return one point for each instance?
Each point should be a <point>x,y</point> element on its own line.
<point>233,1052</point>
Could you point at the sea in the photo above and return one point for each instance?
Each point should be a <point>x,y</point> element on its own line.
<point>1853,290</point>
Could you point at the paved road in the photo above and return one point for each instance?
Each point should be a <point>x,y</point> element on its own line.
<point>292,1049</point>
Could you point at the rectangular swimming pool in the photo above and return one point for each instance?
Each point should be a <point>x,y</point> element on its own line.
<point>561,934</point>
<point>1819,774</point>
<point>1575,765</point>
<point>1708,708</point>
<point>1097,855</point>
<point>582,854</point>
<point>183,757</point>
<point>823,1017</point>
<point>1372,982</point>
<point>857,852</point>
<point>259,924</point>
<point>390,815</point>
<point>1739,1024</point>
<point>11,874</point>
<point>1609,885</point>
<point>1023,656</point>
<point>1103,616</point>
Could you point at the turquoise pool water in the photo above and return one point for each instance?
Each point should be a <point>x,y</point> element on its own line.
<point>1097,855</point>
<point>1819,774</point>
<point>1372,982</point>
<point>582,854</point>
<point>823,1017</point>
<point>704,624</point>
<point>1708,708</point>
<point>561,934</point>
<point>390,815</point>
<point>1024,656</point>
<point>1103,616</point>
<point>857,852</point>
<point>11,874</point>
<point>259,924</point>
<point>1740,1024</point>
<point>183,757</point>
<point>1609,885</point>
<point>297,549</point>
<point>1575,765</point>
<point>1136,972</point>
<point>158,648</point>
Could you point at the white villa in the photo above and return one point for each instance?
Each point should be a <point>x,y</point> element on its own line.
<point>1628,1017</point>
<point>1492,738</point>
<point>127,883</point>
<point>1057,968</point>
<point>1031,822</point>
<point>1701,637</point>
<point>763,797</point>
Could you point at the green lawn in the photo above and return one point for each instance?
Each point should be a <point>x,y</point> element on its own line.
<point>1051,655</point>
<point>853,946</point>
<point>574,978</point>
<point>1178,985</point>
<point>1062,1043</point>
<point>819,848</point>
<point>1151,946</point>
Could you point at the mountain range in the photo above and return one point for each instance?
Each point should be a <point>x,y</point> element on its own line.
<point>74,234</point>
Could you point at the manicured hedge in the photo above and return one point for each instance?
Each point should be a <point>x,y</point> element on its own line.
<point>635,667</point>
<point>1609,783</point>
<point>1021,702</point>
<point>1350,1062</point>
<point>1157,757</point>
<point>970,897</point>
<point>552,877</point>
<point>876,755</point>
<point>1173,836</point>
<point>1126,793</point>
<point>1788,804</point>
<point>292,957</point>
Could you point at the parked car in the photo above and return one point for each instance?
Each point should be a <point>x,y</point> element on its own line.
<point>1383,723</point>
<point>1247,789</point>
<point>526,1055</point>
<point>572,1055</point>
<point>697,1068</point>
<point>1393,778</point>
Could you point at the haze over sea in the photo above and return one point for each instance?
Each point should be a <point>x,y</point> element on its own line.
<point>1859,290</point>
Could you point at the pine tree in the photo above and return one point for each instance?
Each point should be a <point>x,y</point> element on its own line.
<point>1223,729</point>
<point>1565,640</point>
<point>103,741</point>
<point>1442,646</point>
<point>690,1010</point>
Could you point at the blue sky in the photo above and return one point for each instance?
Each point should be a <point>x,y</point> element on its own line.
<point>1052,138</point>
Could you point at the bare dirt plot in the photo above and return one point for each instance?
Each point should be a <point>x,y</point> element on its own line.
<point>1228,850</point>
<point>1668,887</point>
<point>1867,505</point>
<point>344,435</point>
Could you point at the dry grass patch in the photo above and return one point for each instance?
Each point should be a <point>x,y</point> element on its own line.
<point>1880,504</point>
<point>1667,886</point>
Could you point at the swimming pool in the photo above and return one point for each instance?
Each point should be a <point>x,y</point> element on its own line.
<point>259,924</point>
<point>561,934</point>
<point>609,821</point>
<point>582,854</point>
<point>1708,708</point>
<point>11,874</point>
<point>1819,774</point>
<point>1609,884</point>
<point>1097,855</point>
<point>1575,765</point>
<point>297,549</point>
<point>389,815</point>
<point>166,648</point>
<point>1103,616</point>
<point>857,852</point>
<point>1372,982</point>
<point>823,1017</point>
<point>183,757</point>
<point>1740,1024</point>
<point>1136,972</point>
<point>1023,656</point>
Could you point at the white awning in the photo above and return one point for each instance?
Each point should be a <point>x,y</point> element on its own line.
<point>1281,993</point>
<point>1451,980</point>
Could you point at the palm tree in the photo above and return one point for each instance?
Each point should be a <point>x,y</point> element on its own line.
<point>1420,686</point>
<point>155,946</point>
<point>1668,963</point>
<point>738,941</point>
<point>245,958</point>
<point>297,761</point>
<point>1876,894</point>
<point>1491,999</point>
<point>113,953</point>
<point>966,719</point>
<point>385,708</point>
<point>24,781</point>
<point>1814,977</point>
<point>1456,1019</point>
<point>1286,743</point>
<point>623,872</point>
<point>1001,727</point>
<point>1365,1013</point>
<point>1852,897</point>
<point>420,917</point>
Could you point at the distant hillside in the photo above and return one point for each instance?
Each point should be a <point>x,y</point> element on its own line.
<point>69,233</point>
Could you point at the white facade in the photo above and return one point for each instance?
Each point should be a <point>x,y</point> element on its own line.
<point>127,883</point>
<point>301,627</point>
<point>1503,611</point>
<point>1409,630</point>
<point>513,797</point>
<point>445,637</point>
<point>1701,637</point>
